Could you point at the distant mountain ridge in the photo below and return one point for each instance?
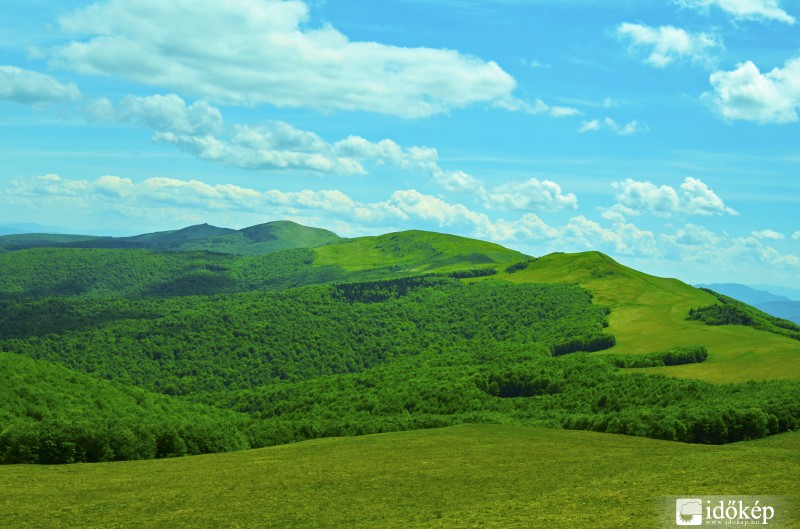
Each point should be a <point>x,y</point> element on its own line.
<point>254,240</point>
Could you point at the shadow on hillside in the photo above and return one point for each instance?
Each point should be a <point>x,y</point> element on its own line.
<point>25,319</point>
<point>194,283</point>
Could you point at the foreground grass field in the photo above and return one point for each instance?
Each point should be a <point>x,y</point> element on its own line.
<point>467,476</point>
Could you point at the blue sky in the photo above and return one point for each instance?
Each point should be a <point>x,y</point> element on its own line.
<point>662,133</point>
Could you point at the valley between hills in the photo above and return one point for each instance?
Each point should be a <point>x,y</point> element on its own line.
<point>283,376</point>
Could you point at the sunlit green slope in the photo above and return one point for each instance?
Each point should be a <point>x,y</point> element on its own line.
<point>264,238</point>
<point>649,313</point>
<point>488,476</point>
<point>416,251</point>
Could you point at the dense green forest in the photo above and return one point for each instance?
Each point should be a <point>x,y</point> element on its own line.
<point>110,353</point>
<point>50,414</point>
<point>186,345</point>
<point>160,376</point>
<point>104,273</point>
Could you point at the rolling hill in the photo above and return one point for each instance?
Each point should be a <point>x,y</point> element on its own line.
<point>173,237</point>
<point>650,313</point>
<point>254,240</point>
<point>413,379</point>
<point>395,332</point>
<point>264,238</point>
<point>416,251</point>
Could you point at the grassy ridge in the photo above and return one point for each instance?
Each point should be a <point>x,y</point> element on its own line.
<point>488,476</point>
<point>264,238</point>
<point>650,313</point>
<point>415,251</point>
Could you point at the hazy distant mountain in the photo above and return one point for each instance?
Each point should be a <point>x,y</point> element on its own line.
<point>788,310</point>
<point>16,228</point>
<point>791,293</point>
<point>255,240</point>
<point>749,295</point>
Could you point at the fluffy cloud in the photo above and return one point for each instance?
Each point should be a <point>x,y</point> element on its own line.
<point>694,236</point>
<point>744,9</point>
<point>199,129</point>
<point>596,125</point>
<point>667,44</point>
<point>696,244</point>
<point>796,235</point>
<point>29,87</point>
<point>531,194</point>
<point>754,249</point>
<point>747,94</point>
<point>170,113</point>
<point>768,234</point>
<point>534,109</point>
<point>265,51</point>
<point>621,238</point>
<point>692,198</point>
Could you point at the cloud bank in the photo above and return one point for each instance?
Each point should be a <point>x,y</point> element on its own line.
<point>266,51</point>
<point>29,87</point>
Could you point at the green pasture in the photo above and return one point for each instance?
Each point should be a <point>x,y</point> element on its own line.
<point>485,476</point>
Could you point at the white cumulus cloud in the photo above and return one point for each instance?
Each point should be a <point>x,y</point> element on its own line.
<point>693,197</point>
<point>749,95</point>
<point>531,194</point>
<point>768,234</point>
<point>667,44</point>
<point>266,51</point>
<point>744,9</point>
<point>30,87</point>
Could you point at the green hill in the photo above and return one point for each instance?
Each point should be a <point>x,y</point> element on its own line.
<point>39,240</point>
<point>106,273</point>
<point>264,238</point>
<point>416,251</point>
<point>405,330</point>
<point>168,238</point>
<point>502,477</point>
<point>650,313</point>
<point>255,240</point>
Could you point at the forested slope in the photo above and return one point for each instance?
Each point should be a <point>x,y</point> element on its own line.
<point>402,331</point>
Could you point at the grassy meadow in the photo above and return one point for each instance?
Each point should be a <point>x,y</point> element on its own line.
<point>486,476</point>
<point>649,313</point>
